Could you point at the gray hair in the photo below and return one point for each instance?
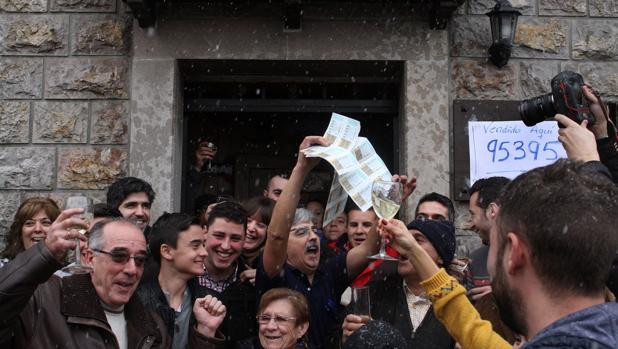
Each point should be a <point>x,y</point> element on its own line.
<point>302,215</point>
<point>95,236</point>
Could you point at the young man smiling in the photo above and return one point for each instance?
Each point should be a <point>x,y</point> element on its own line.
<point>177,245</point>
<point>225,235</point>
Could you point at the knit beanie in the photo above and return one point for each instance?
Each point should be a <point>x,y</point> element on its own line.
<point>441,234</point>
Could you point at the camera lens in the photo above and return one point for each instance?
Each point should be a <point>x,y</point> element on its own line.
<point>534,110</point>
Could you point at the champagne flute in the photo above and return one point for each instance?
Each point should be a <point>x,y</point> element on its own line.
<point>386,198</point>
<point>85,204</point>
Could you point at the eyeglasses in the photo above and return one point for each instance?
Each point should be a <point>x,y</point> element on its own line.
<point>122,256</point>
<point>279,319</point>
<point>433,217</point>
<point>302,231</point>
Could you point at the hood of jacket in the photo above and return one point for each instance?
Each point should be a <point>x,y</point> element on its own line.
<point>594,327</point>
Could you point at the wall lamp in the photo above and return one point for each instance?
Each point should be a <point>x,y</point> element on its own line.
<point>503,19</point>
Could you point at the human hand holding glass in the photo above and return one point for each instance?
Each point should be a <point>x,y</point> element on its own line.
<point>386,198</point>
<point>85,204</point>
<point>361,304</point>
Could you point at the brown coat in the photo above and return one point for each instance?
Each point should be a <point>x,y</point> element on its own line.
<point>488,309</point>
<point>65,312</point>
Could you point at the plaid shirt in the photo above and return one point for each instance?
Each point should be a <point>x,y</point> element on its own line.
<point>218,285</point>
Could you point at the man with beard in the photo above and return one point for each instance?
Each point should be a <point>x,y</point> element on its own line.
<point>225,234</point>
<point>292,256</point>
<point>548,262</point>
<point>483,208</point>
<point>133,197</point>
<point>177,245</point>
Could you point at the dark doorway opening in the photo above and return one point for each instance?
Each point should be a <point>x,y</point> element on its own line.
<point>258,112</point>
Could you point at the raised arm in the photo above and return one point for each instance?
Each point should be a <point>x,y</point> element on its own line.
<point>448,297</point>
<point>357,260</point>
<point>20,277</point>
<point>275,250</point>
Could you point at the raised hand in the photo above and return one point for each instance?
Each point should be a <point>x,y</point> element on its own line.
<point>209,313</point>
<point>408,185</point>
<point>577,140</point>
<point>599,110</point>
<point>478,292</point>
<point>304,162</point>
<point>248,275</point>
<point>62,235</point>
<point>396,232</point>
<point>203,153</point>
<point>351,324</point>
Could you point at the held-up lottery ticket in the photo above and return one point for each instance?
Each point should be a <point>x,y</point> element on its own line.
<point>356,164</point>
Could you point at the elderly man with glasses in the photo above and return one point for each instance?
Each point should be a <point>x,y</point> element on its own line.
<point>95,310</point>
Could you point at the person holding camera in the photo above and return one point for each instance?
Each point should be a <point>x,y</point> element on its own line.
<point>592,144</point>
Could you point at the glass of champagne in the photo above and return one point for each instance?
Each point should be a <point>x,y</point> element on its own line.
<point>386,198</point>
<point>85,204</point>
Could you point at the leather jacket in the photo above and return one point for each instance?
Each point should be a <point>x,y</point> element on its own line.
<point>41,310</point>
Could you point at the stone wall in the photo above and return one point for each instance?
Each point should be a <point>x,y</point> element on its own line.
<point>68,69</point>
<point>552,35</point>
<point>64,99</point>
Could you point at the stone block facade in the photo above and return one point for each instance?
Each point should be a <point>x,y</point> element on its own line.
<point>64,99</point>
<point>551,36</point>
<point>86,96</point>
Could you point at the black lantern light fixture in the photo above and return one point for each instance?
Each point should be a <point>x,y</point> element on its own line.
<point>503,20</point>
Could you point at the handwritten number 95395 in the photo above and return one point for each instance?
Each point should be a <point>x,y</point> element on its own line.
<point>518,150</point>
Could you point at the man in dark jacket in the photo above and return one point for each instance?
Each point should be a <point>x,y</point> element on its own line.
<point>226,228</point>
<point>177,245</point>
<point>399,299</point>
<point>96,310</point>
<point>550,254</point>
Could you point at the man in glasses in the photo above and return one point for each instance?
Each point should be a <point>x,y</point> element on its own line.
<point>435,206</point>
<point>291,256</point>
<point>177,246</point>
<point>95,310</point>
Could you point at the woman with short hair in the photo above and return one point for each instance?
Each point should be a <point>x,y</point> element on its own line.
<point>283,320</point>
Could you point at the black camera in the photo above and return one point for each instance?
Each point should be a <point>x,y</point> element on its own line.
<point>566,97</point>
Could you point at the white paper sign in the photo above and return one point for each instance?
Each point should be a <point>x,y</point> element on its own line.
<point>509,148</point>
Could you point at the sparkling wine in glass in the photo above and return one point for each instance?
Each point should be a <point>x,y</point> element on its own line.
<point>85,204</point>
<point>386,199</point>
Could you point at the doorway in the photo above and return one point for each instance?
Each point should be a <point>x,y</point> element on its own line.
<point>256,113</point>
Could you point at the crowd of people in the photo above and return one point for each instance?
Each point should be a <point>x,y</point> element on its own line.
<point>267,273</point>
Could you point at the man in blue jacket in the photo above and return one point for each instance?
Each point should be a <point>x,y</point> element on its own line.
<point>550,255</point>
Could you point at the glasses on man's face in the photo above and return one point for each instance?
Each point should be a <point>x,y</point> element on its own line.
<point>302,231</point>
<point>122,256</point>
<point>433,217</point>
<point>278,319</point>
